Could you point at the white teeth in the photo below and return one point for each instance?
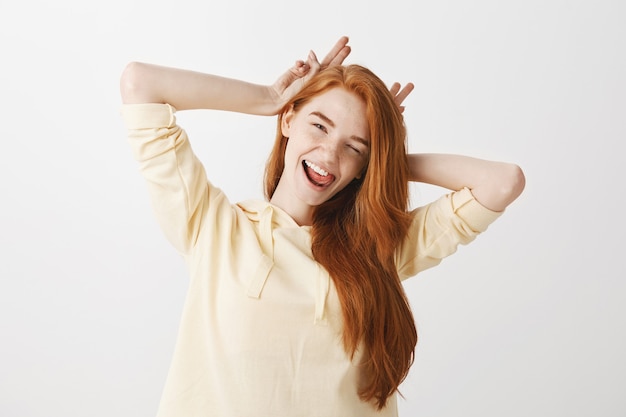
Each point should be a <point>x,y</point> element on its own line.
<point>316,168</point>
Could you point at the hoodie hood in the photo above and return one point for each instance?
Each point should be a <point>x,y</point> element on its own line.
<point>272,223</point>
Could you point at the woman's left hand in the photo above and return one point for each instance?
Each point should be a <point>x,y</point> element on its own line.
<point>400,94</point>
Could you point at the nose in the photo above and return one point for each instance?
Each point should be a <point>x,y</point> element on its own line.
<point>330,151</point>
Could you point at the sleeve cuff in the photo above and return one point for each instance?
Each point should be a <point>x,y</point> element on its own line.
<point>477,216</point>
<point>148,115</point>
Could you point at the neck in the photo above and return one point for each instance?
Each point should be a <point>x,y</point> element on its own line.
<point>301,213</point>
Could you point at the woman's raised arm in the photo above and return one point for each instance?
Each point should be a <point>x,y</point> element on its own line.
<point>184,89</point>
<point>494,184</point>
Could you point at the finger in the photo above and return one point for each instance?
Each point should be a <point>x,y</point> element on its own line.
<point>395,88</point>
<point>340,57</point>
<point>338,53</point>
<point>403,94</point>
<point>312,63</point>
<point>300,68</point>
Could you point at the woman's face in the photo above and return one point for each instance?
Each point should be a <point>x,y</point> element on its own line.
<point>327,148</point>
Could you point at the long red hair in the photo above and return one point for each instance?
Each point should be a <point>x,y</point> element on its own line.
<point>356,233</point>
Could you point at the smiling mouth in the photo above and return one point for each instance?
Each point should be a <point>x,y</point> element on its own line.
<point>317,175</point>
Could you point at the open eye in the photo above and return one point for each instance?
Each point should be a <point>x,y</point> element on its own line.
<point>320,127</point>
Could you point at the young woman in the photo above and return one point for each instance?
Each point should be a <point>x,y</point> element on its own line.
<point>295,305</point>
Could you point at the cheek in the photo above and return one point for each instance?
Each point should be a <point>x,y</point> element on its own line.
<point>362,168</point>
<point>291,153</point>
<point>354,169</point>
<point>361,165</point>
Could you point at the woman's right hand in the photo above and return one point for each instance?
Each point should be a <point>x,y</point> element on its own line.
<point>292,81</point>
<point>184,89</point>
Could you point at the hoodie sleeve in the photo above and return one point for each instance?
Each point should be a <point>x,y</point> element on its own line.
<point>439,228</point>
<point>176,179</point>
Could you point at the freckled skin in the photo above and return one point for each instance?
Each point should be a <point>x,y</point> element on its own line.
<point>323,132</point>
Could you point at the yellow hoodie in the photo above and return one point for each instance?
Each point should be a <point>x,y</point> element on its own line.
<point>261,328</point>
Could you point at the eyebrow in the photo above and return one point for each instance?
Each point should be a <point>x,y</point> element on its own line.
<point>332,124</point>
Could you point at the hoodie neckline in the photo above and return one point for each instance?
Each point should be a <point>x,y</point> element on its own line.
<point>254,209</point>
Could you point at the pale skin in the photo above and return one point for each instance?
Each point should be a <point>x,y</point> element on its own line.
<point>494,184</point>
<point>328,134</point>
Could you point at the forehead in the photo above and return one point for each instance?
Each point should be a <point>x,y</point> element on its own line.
<point>343,108</point>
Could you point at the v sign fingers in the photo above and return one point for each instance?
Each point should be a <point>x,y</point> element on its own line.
<point>337,54</point>
<point>400,94</point>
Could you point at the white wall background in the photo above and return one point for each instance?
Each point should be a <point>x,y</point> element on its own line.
<point>529,320</point>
